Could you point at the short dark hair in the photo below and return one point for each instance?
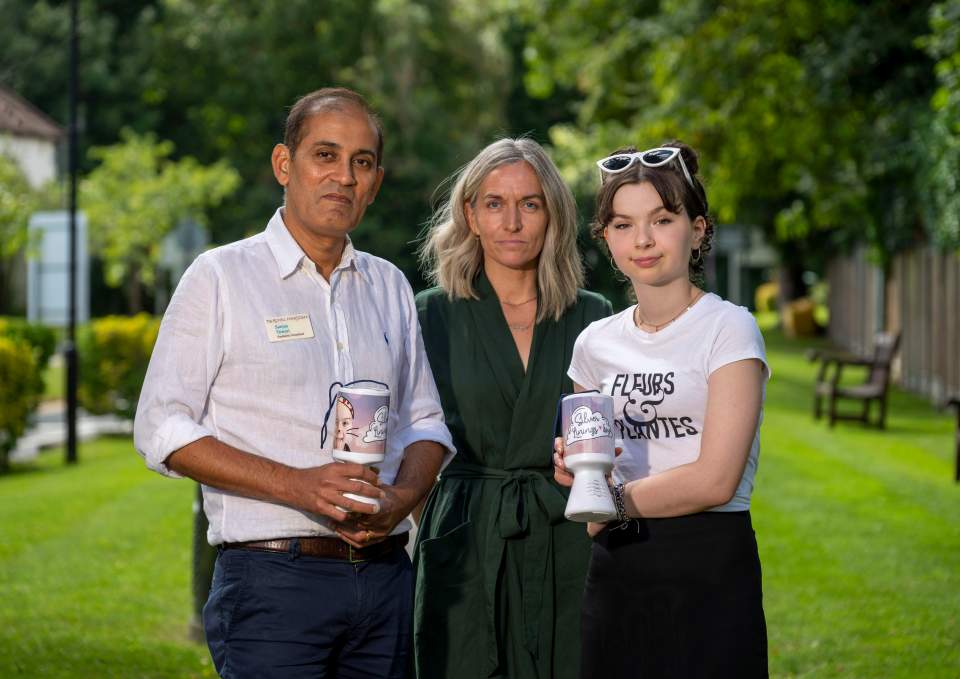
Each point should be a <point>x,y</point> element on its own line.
<point>675,192</point>
<point>327,99</point>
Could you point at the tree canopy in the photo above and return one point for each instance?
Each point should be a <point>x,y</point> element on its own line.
<point>137,195</point>
<point>17,202</point>
<point>941,141</point>
<point>826,124</point>
<point>804,112</point>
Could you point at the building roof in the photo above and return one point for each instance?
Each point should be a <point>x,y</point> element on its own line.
<point>21,118</point>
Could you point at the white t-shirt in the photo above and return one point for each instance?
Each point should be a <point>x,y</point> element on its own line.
<point>659,383</point>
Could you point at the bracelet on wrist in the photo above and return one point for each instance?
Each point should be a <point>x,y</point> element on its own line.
<point>618,502</point>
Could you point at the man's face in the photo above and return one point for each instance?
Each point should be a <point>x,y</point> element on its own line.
<point>332,177</point>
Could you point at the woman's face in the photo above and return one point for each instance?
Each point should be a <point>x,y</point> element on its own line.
<point>510,217</point>
<point>650,244</point>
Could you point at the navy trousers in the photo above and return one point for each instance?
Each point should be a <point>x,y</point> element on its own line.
<point>288,615</point>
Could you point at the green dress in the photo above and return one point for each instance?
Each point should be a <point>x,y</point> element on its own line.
<point>499,570</point>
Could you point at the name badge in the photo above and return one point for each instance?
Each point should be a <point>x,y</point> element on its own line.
<point>292,327</point>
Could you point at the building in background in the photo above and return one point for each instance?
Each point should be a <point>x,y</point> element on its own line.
<point>30,137</point>
<point>740,260</point>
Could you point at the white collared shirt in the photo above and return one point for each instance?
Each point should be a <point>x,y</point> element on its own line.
<point>215,371</point>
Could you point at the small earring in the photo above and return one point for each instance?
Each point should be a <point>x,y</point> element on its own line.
<point>698,257</point>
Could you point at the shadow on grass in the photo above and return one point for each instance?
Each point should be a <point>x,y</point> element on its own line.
<point>19,469</point>
<point>53,460</point>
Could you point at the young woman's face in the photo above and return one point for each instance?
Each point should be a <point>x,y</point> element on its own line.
<point>650,244</point>
<point>510,216</point>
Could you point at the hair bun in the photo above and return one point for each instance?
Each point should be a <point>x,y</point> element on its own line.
<point>690,157</point>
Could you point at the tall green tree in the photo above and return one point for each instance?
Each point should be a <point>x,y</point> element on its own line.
<point>803,111</point>
<point>115,54</point>
<point>940,182</point>
<point>216,78</point>
<point>17,202</point>
<point>224,74</point>
<point>136,196</point>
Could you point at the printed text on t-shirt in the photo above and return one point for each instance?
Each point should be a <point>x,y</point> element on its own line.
<point>644,392</point>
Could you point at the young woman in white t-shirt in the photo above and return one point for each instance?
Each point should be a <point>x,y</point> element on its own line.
<point>674,587</point>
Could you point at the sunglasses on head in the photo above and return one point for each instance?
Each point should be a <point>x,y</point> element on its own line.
<point>651,158</point>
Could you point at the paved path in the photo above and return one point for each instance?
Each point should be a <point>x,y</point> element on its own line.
<point>48,429</point>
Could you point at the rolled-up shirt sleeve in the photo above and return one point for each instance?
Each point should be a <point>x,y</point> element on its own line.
<point>185,359</point>
<point>419,414</point>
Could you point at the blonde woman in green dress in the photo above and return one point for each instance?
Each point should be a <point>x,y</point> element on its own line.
<point>499,571</point>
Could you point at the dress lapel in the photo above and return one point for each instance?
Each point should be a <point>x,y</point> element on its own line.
<point>534,413</point>
<point>493,335</point>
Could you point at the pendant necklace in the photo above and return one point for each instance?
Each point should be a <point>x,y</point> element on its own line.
<point>639,320</point>
<point>519,328</point>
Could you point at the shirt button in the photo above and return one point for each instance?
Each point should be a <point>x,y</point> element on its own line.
<point>339,346</point>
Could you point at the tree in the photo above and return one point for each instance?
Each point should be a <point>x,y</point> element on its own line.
<point>115,53</point>
<point>216,77</point>
<point>804,111</point>
<point>17,202</point>
<point>940,182</point>
<point>136,196</point>
<point>224,73</point>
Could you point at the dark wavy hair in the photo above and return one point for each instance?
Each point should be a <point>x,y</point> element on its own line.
<point>675,192</point>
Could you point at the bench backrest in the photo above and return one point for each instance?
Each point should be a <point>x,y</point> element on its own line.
<point>884,347</point>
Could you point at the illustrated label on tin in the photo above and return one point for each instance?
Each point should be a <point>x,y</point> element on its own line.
<point>587,421</point>
<point>361,420</point>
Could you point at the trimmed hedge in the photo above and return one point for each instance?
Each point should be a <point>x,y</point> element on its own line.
<point>21,386</point>
<point>114,353</point>
<point>42,338</point>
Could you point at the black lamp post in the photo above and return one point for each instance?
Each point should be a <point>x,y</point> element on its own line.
<point>70,350</point>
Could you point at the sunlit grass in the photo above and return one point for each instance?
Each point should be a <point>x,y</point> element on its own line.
<point>858,530</point>
<point>53,386</point>
<point>859,535</point>
<point>95,569</point>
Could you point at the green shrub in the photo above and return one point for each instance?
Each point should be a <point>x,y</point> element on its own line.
<point>765,297</point>
<point>42,338</point>
<point>114,353</point>
<point>21,385</point>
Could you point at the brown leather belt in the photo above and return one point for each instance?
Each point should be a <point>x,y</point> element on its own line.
<point>325,547</point>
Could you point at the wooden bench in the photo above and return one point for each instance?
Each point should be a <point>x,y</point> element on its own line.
<point>873,388</point>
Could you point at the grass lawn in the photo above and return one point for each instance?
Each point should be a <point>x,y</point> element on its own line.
<point>95,569</point>
<point>859,534</point>
<point>53,378</point>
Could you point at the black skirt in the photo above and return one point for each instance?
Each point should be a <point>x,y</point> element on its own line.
<point>675,598</point>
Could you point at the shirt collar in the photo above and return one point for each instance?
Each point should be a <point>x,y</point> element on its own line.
<point>288,254</point>
<point>351,259</point>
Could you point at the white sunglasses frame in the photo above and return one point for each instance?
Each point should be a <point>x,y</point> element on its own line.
<point>638,156</point>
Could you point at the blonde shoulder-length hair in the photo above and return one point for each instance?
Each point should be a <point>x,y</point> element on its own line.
<point>452,257</point>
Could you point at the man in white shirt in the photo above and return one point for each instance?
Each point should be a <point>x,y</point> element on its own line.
<point>308,581</point>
